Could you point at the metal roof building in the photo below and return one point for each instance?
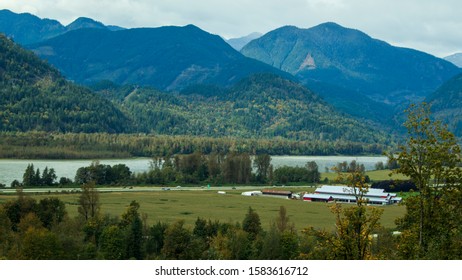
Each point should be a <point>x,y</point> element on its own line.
<point>287,194</point>
<point>346,194</point>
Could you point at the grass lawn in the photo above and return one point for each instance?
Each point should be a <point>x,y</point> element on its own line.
<point>169,206</point>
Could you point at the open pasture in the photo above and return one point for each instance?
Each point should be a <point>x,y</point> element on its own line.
<point>374,175</point>
<point>168,206</point>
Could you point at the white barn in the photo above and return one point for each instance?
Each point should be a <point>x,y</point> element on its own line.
<point>252,193</point>
<point>346,194</point>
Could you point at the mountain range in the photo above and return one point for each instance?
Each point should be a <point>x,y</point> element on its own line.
<point>168,58</point>
<point>27,29</point>
<point>345,65</point>
<point>184,80</point>
<point>35,97</point>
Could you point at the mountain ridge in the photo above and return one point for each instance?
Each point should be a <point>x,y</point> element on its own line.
<point>349,52</point>
<point>26,28</point>
<point>337,61</point>
<point>361,76</point>
<point>168,58</point>
<point>35,97</point>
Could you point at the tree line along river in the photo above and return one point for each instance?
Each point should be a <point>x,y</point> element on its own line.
<point>13,169</point>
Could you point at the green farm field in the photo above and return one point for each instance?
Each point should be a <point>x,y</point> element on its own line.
<point>168,206</point>
<point>374,175</point>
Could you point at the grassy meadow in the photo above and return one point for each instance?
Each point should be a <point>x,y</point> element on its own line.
<point>374,175</point>
<point>169,206</point>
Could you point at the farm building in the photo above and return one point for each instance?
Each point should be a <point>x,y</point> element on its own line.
<point>252,193</point>
<point>346,194</point>
<point>277,193</point>
<point>273,193</point>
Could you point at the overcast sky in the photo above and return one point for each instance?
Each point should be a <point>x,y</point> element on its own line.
<point>433,26</point>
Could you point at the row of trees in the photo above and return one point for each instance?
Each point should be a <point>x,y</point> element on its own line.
<point>391,164</point>
<point>33,177</point>
<point>232,168</point>
<point>103,174</point>
<point>194,168</point>
<point>104,145</point>
<point>353,166</point>
<point>190,169</point>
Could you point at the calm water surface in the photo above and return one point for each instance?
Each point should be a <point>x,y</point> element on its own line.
<point>13,169</point>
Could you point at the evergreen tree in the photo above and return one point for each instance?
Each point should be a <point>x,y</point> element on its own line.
<point>37,179</point>
<point>28,179</point>
<point>133,226</point>
<point>251,224</point>
<point>48,176</point>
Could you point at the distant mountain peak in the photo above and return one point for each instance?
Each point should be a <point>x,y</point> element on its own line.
<point>26,28</point>
<point>335,29</point>
<point>330,24</point>
<point>239,43</point>
<point>84,22</point>
<point>456,59</point>
<point>326,26</point>
<point>191,26</point>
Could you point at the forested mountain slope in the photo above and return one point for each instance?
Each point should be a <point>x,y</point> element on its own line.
<point>446,104</point>
<point>348,67</point>
<point>34,96</point>
<point>168,58</point>
<point>260,106</point>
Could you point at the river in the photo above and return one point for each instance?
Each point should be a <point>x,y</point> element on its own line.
<point>13,169</point>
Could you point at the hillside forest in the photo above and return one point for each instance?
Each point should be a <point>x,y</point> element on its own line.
<point>429,229</point>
